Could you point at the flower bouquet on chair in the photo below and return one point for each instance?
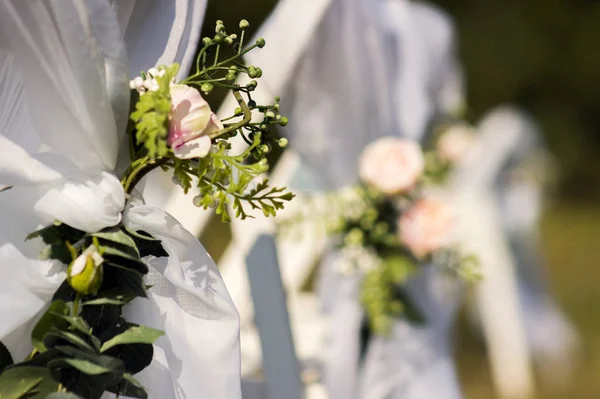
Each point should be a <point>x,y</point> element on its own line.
<point>387,227</point>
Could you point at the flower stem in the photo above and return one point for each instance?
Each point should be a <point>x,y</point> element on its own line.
<point>243,122</point>
<point>75,308</point>
<point>138,169</point>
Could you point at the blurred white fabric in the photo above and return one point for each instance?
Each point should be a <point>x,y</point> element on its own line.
<point>64,100</point>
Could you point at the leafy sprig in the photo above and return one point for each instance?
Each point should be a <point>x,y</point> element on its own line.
<point>82,344</point>
<point>151,115</point>
<point>220,178</point>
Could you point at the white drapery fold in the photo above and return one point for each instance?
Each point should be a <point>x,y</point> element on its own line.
<point>64,72</point>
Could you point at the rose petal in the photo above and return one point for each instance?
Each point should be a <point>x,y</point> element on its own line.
<point>197,148</point>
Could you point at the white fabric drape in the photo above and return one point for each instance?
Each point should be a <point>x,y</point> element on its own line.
<point>63,104</point>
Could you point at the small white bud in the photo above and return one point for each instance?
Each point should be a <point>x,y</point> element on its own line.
<point>153,86</point>
<point>139,82</point>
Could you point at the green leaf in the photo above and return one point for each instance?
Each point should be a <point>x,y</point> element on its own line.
<point>134,335</point>
<point>51,320</point>
<point>5,357</point>
<point>26,382</point>
<point>87,367</point>
<point>77,323</point>
<point>106,301</point>
<point>113,256</point>
<point>124,242</point>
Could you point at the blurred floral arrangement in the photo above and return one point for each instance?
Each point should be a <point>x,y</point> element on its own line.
<point>388,227</point>
<point>451,142</point>
<point>83,345</point>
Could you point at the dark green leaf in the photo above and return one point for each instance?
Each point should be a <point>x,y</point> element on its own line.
<point>88,363</point>
<point>134,335</point>
<point>56,338</point>
<point>135,356</point>
<point>57,233</point>
<point>64,293</point>
<point>146,244</point>
<point>122,281</point>
<point>129,387</point>
<point>73,374</point>
<point>50,320</point>
<point>5,357</point>
<point>103,320</point>
<point>41,359</point>
<point>114,256</point>
<point>59,252</point>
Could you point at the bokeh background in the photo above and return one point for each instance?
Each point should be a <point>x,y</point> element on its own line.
<point>542,55</point>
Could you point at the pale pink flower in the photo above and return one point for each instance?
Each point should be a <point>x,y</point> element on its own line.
<point>454,144</point>
<point>391,165</point>
<point>191,123</point>
<point>426,226</point>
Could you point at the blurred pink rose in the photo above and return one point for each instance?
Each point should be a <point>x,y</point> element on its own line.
<point>191,123</point>
<point>454,143</point>
<point>391,165</point>
<point>426,226</point>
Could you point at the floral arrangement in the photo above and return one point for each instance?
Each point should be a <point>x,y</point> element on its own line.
<point>83,345</point>
<point>388,227</point>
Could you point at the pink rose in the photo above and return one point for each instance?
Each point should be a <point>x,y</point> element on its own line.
<point>191,123</point>
<point>426,226</point>
<point>391,165</point>
<point>454,143</point>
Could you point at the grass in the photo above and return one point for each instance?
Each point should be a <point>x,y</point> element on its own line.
<point>571,235</point>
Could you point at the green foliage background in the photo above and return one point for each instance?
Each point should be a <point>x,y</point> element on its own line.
<point>542,55</point>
